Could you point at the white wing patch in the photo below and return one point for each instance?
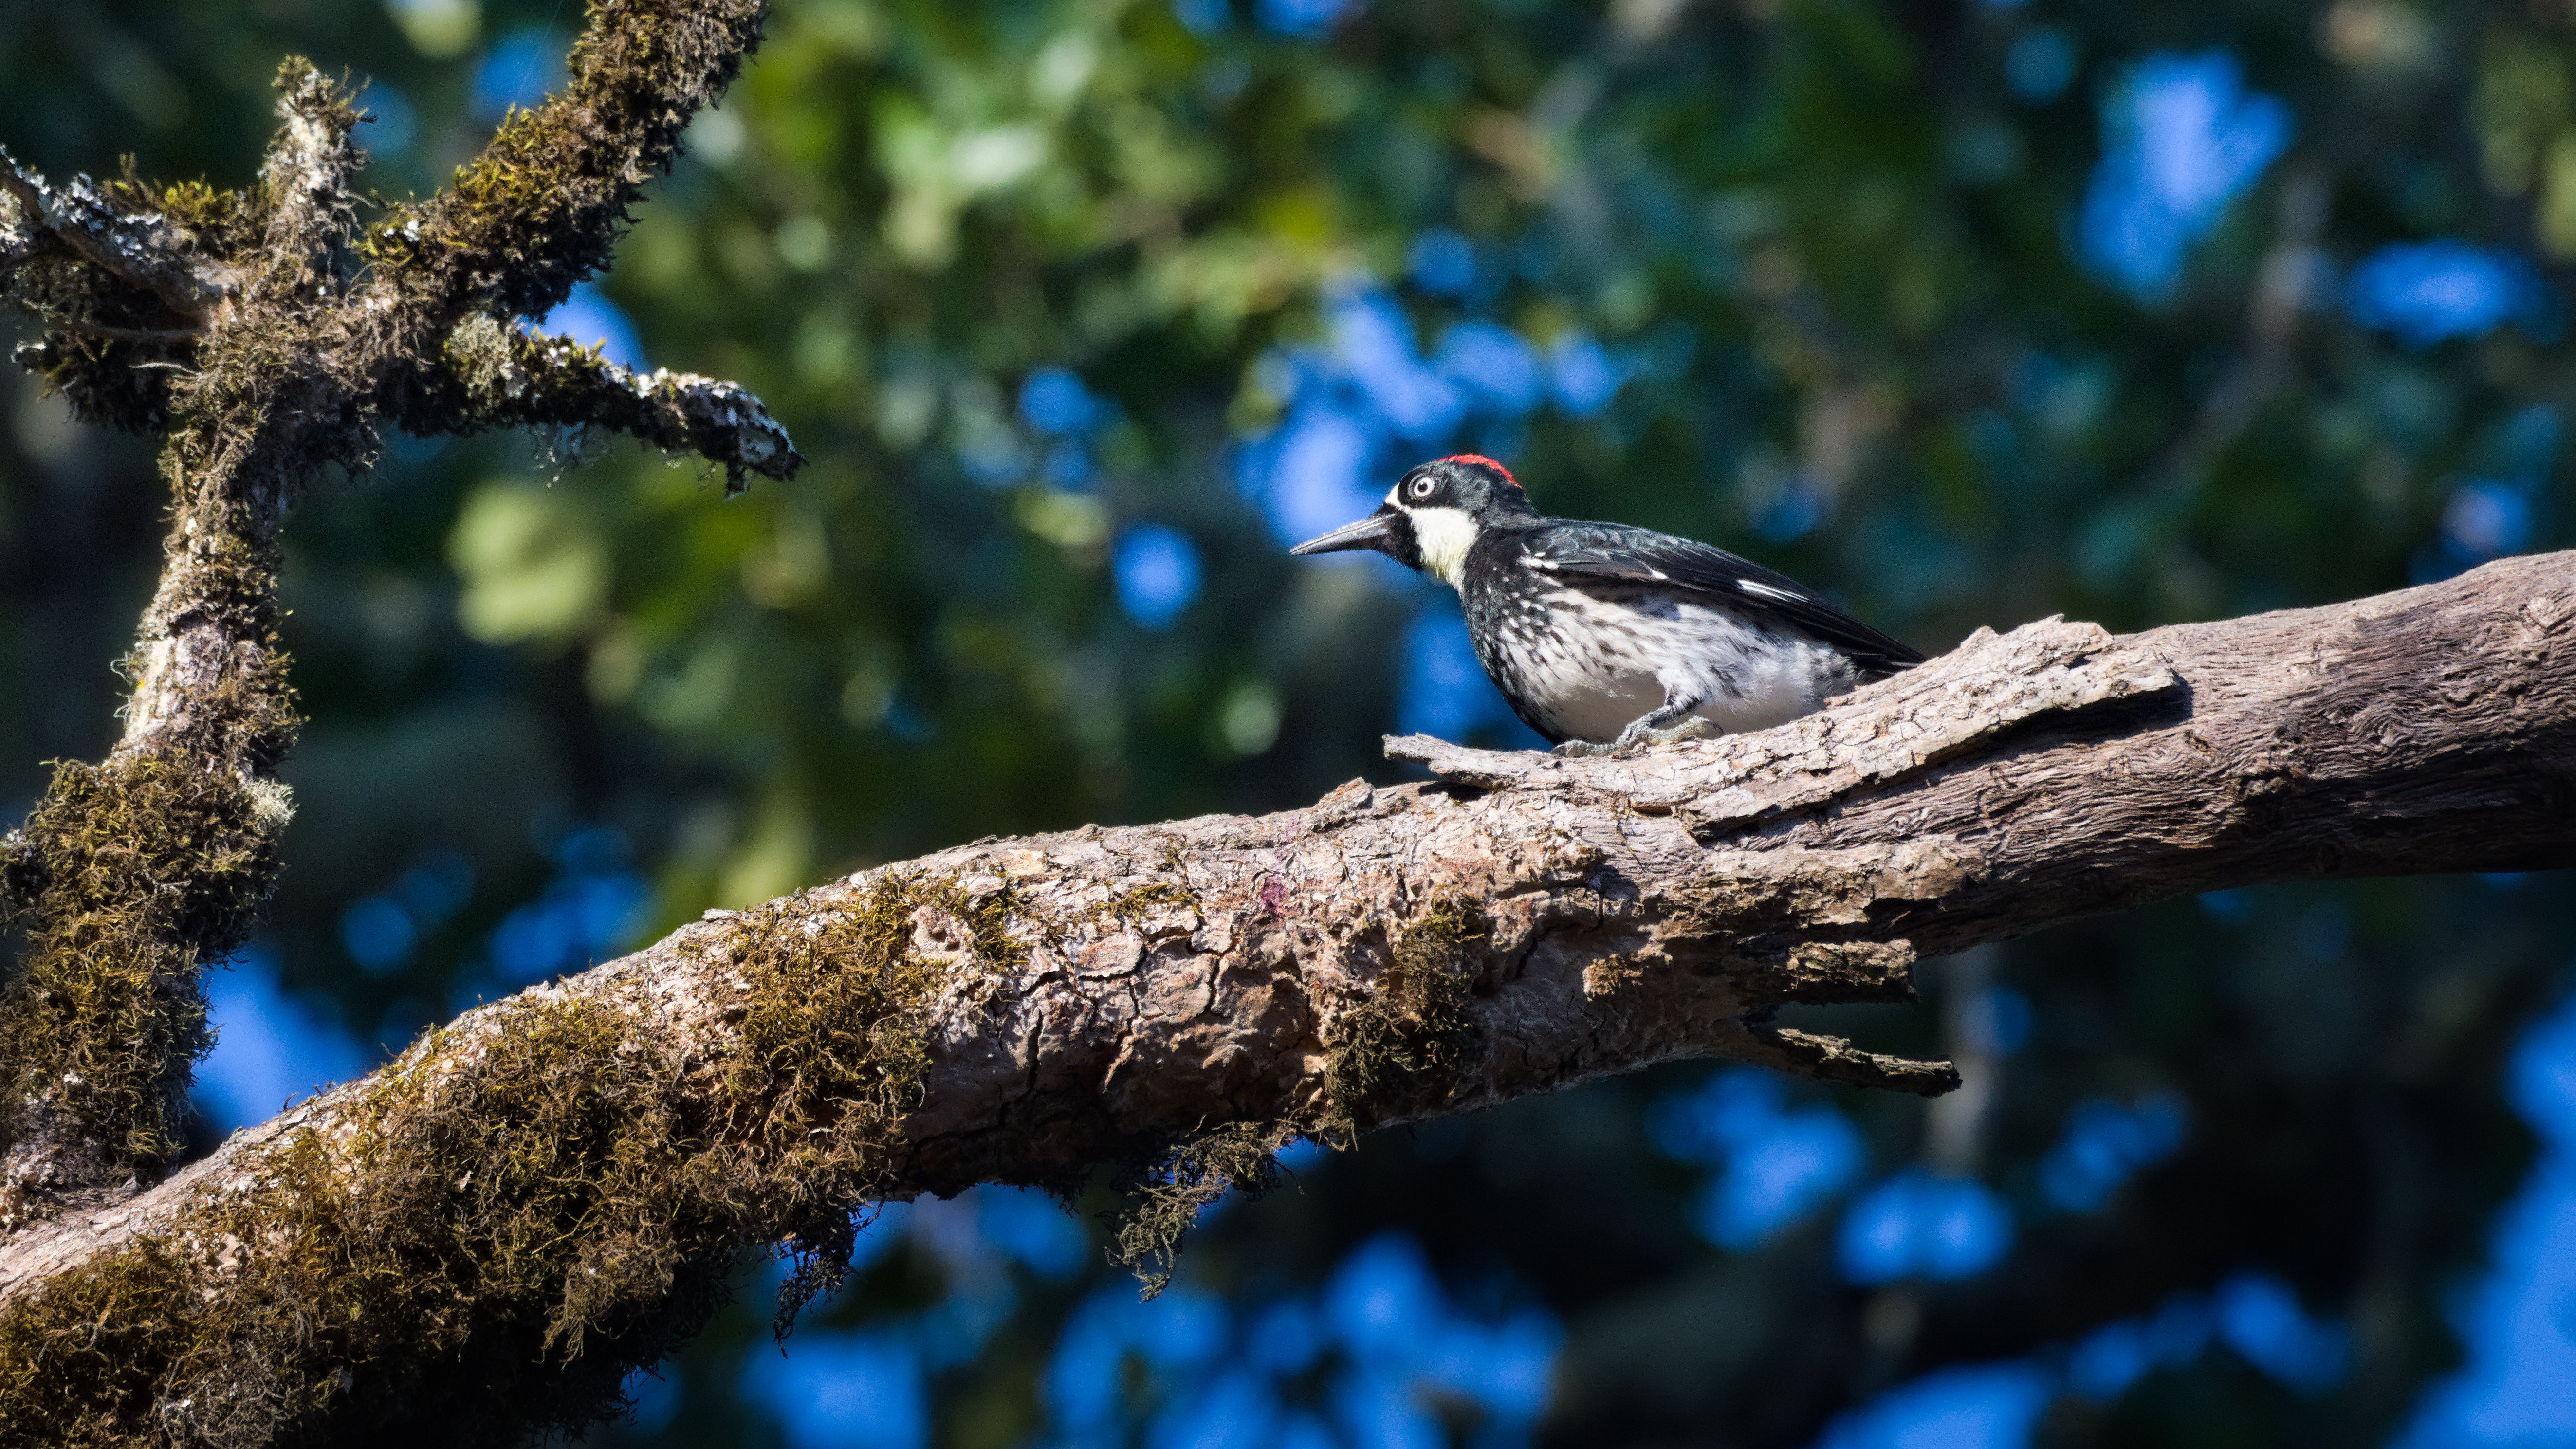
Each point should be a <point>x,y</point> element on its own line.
<point>1767,591</point>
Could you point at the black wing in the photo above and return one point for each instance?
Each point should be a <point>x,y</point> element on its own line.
<point>1615,552</point>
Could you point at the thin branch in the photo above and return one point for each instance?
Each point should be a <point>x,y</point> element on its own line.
<point>540,209</point>
<point>491,1231</point>
<point>537,212</point>
<point>311,168</point>
<point>508,378</point>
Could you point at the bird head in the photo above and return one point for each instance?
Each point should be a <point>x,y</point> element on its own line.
<point>1433,515</point>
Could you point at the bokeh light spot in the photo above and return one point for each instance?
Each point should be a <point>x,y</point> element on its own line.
<point>1156,569</point>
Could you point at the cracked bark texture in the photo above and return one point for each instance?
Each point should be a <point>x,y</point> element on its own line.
<point>242,326</point>
<point>1164,983</point>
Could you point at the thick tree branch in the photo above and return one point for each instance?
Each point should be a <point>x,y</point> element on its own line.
<point>553,1183</point>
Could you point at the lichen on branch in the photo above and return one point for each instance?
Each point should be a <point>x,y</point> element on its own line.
<point>122,275</point>
<point>100,226</point>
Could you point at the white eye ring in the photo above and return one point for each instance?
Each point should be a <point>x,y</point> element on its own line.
<point>1421,487</point>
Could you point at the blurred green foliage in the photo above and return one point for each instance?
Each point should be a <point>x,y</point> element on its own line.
<point>1832,239</point>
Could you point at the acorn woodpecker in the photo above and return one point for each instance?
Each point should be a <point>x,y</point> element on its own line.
<point>1606,637</point>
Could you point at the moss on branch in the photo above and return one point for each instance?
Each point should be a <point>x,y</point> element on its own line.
<point>530,1204</point>
<point>521,1209</point>
<point>137,871</point>
<point>492,376</point>
<point>131,876</point>
<point>1402,1049</point>
<point>1161,1200</point>
<point>228,321</point>
<point>541,207</point>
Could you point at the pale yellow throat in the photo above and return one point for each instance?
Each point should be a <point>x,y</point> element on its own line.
<point>1444,535</point>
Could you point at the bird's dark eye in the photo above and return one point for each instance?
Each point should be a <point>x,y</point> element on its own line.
<point>1421,488</point>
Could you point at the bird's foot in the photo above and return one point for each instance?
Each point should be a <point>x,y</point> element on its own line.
<point>1637,736</point>
<point>1694,728</point>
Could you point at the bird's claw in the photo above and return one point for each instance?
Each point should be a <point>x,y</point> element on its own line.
<point>1697,727</point>
<point>1636,737</point>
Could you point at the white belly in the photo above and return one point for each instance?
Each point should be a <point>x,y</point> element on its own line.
<point>1590,663</point>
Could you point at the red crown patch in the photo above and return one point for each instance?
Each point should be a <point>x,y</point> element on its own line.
<point>1488,462</point>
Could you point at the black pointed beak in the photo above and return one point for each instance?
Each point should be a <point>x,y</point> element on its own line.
<point>1375,531</point>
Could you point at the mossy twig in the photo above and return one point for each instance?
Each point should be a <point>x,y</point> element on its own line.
<point>492,376</point>
<point>142,249</point>
<point>541,207</point>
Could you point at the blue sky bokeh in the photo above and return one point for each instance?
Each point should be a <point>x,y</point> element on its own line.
<point>2182,138</point>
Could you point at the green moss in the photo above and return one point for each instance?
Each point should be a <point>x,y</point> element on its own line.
<point>134,873</point>
<point>540,208</point>
<point>501,1241</point>
<point>129,877</point>
<point>1130,906</point>
<point>833,1057</point>
<point>1402,1048</point>
<point>1398,1051</point>
<point>109,344</point>
<point>211,220</point>
<point>1162,1200</point>
<point>479,1223</point>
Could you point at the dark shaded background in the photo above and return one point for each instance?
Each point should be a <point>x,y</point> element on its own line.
<point>1967,312</point>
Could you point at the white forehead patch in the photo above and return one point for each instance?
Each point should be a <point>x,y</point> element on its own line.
<point>1444,534</point>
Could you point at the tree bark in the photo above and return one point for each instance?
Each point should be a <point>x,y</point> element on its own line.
<point>1175,1001</point>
